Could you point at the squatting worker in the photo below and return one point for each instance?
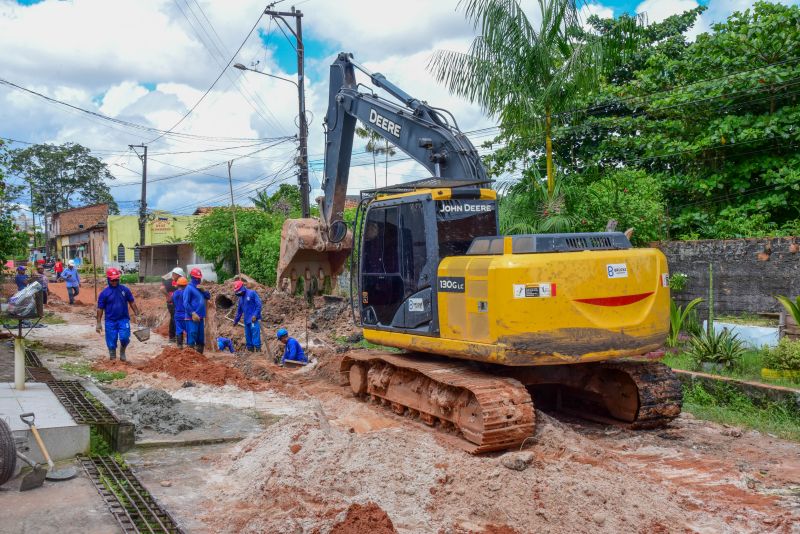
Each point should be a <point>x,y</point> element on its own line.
<point>250,307</point>
<point>114,301</point>
<point>292,350</point>
<point>180,311</point>
<point>58,268</point>
<point>21,279</point>
<point>73,280</point>
<point>168,287</point>
<point>194,303</point>
<point>41,277</point>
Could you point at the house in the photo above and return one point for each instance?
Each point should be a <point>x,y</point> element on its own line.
<point>161,227</point>
<point>156,260</point>
<point>79,233</point>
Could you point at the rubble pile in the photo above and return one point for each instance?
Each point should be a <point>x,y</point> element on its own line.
<point>152,409</point>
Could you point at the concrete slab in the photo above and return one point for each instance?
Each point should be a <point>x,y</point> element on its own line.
<point>61,435</point>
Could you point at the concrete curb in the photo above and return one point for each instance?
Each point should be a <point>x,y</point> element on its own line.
<point>186,443</point>
<point>756,391</point>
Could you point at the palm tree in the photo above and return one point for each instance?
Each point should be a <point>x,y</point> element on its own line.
<point>261,200</point>
<point>528,74</point>
<point>376,144</point>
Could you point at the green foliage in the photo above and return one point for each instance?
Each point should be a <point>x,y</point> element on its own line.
<point>12,243</point>
<point>791,307</point>
<point>677,282</point>
<point>130,278</point>
<point>98,446</point>
<point>285,201</point>
<point>85,369</point>
<point>528,207</point>
<point>784,357</point>
<point>723,348</point>
<point>677,317</point>
<point>726,405</point>
<point>260,259</point>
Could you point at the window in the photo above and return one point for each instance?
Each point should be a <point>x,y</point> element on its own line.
<point>458,222</point>
<point>380,241</point>
<point>136,252</point>
<point>121,253</point>
<point>415,253</point>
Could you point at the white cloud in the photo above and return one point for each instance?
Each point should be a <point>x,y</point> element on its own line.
<point>658,10</point>
<point>587,10</point>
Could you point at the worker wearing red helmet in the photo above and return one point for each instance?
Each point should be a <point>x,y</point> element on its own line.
<point>194,305</point>
<point>180,314</point>
<point>249,307</point>
<point>114,301</point>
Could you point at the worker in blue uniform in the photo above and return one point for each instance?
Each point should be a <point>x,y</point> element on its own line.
<point>180,313</point>
<point>194,305</point>
<point>21,279</point>
<point>249,307</point>
<point>292,349</point>
<point>114,301</point>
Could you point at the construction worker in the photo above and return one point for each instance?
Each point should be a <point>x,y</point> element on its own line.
<point>114,301</point>
<point>73,280</point>
<point>292,350</point>
<point>180,312</point>
<point>225,343</point>
<point>168,286</point>
<point>194,303</point>
<point>250,307</point>
<point>41,277</point>
<point>58,268</point>
<point>21,279</point>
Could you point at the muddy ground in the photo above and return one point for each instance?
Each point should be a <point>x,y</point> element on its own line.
<point>326,462</point>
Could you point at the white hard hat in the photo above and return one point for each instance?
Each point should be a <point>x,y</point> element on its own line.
<point>71,263</point>
<point>178,271</point>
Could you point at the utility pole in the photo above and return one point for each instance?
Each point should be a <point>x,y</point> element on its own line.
<point>235,229</point>
<point>302,177</point>
<point>143,203</point>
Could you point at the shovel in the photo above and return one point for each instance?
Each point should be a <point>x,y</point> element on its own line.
<point>53,473</point>
<point>35,478</point>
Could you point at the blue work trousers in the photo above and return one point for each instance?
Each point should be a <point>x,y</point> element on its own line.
<point>119,329</point>
<point>72,292</point>
<point>252,335</point>
<point>195,332</point>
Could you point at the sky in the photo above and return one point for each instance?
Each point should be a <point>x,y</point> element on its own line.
<point>146,63</point>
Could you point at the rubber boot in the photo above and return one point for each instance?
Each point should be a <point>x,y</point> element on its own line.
<point>180,341</point>
<point>122,353</point>
<point>257,349</point>
<point>200,348</point>
<point>112,354</point>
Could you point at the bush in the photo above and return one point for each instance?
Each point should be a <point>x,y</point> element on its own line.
<point>722,348</point>
<point>260,259</point>
<point>129,279</point>
<point>784,357</point>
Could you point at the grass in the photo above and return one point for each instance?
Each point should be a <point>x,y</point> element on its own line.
<point>728,406</point>
<point>52,318</point>
<point>98,446</point>
<point>364,344</point>
<point>85,369</point>
<point>747,368</point>
<point>748,319</point>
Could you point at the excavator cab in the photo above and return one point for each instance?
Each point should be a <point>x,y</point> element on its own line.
<point>406,232</point>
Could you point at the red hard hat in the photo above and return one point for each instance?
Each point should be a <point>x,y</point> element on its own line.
<point>237,285</point>
<point>196,273</point>
<point>39,261</point>
<point>112,273</point>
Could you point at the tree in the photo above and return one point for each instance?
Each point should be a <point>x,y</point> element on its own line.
<point>12,242</point>
<point>528,75</point>
<point>377,144</point>
<point>285,201</point>
<point>61,177</point>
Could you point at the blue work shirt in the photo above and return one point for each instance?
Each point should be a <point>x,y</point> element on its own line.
<point>71,277</point>
<point>114,300</point>
<point>21,280</point>
<point>293,351</point>
<point>224,343</point>
<point>194,299</point>
<point>180,310</point>
<point>249,306</point>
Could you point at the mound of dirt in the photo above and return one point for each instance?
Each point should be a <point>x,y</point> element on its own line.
<point>364,518</point>
<point>152,409</point>
<point>187,364</point>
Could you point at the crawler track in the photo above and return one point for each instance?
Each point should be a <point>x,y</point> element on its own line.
<point>660,392</point>
<point>490,413</point>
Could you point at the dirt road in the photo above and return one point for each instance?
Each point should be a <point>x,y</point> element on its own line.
<point>329,451</point>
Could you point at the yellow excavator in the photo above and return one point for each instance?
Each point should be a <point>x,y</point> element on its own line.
<point>488,323</point>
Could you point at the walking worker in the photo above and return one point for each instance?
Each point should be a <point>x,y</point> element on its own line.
<point>21,279</point>
<point>292,350</point>
<point>168,286</point>
<point>194,303</point>
<point>41,277</point>
<point>58,268</point>
<point>73,280</point>
<point>180,311</point>
<point>114,301</point>
<point>249,307</point>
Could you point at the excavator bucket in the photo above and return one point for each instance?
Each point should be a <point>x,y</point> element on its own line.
<point>306,252</point>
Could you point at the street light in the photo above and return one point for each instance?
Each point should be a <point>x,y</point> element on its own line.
<point>242,67</point>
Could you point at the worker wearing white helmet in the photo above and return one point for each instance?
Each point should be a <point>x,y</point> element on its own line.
<point>168,286</point>
<point>73,281</point>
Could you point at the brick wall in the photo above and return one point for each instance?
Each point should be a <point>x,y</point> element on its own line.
<point>742,281</point>
<point>71,221</point>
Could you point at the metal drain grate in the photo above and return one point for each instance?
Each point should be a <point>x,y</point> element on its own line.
<point>31,359</point>
<point>131,504</point>
<point>80,405</point>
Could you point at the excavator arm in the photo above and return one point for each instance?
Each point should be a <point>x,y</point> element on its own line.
<point>429,135</point>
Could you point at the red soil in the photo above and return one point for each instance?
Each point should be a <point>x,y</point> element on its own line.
<point>186,364</point>
<point>364,518</point>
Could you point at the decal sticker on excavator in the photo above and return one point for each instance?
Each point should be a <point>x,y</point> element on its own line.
<point>364,297</point>
<point>617,270</point>
<point>416,305</point>
<point>665,280</point>
<point>451,284</point>
<point>545,290</point>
